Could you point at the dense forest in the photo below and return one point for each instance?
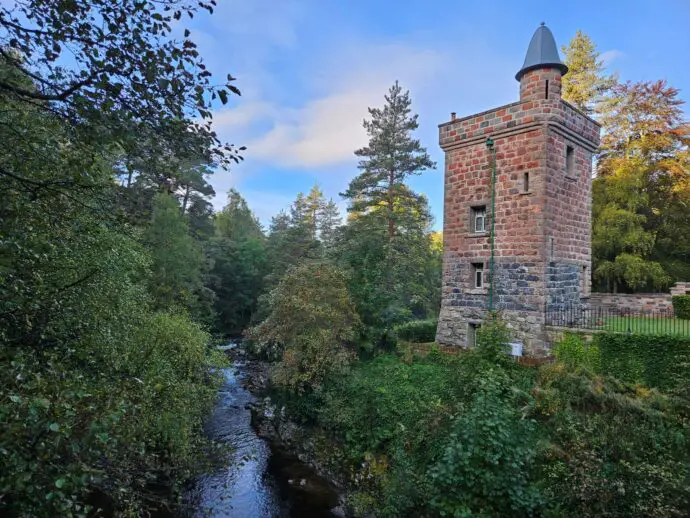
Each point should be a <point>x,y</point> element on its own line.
<point>118,279</point>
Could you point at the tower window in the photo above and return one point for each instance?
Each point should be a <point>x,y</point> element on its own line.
<point>478,220</point>
<point>472,329</point>
<point>570,161</point>
<point>525,182</point>
<point>546,90</point>
<point>477,275</point>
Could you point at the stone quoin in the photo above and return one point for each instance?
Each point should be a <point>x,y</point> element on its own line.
<point>543,196</point>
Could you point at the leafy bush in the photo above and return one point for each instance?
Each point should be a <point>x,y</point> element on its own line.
<point>656,361</point>
<point>493,338</point>
<point>488,462</point>
<point>310,324</point>
<point>101,398</point>
<point>681,306</point>
<point>614,450</point>
<point>419,331</point>
<point>574,352</point>
<point>85,419</point>
<point>474,434</point>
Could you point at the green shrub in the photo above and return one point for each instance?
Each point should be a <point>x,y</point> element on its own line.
<point>613,449</point>
<point>419,331</point>
<point>310,324</point>
<point>656,361</point>
<point>574,352</point>
<point>493,338</point>
<point>681,306</point>
<point>487,463</point>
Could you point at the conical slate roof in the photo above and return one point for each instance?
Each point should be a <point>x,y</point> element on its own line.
<point>542,52</point>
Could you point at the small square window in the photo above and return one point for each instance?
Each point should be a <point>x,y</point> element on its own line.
<point>477,275</point>
<point>472,329</point>
<point>478,222</point>
<point>570,161</point>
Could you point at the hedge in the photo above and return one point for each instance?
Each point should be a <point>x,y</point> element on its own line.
<point>681,306</point>
<point>419,331</point>
<point>662,362</point>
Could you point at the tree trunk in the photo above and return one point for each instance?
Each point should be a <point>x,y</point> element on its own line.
<point>185,200</point>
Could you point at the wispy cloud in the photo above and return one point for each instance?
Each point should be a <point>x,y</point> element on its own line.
<point>610,56</point>
<point>302,121</point>
<point>326,129</point>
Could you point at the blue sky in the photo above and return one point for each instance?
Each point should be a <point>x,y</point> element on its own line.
<point>308,70</point>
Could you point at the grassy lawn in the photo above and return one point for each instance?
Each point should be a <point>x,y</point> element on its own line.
<point>648,326</point>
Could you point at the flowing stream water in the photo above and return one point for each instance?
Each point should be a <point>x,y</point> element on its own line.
<point>256,482</point>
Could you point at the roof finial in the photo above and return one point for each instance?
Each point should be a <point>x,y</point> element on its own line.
<point>542,24</point>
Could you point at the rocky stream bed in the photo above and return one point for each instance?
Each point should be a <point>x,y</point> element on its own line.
<point>272,470</point>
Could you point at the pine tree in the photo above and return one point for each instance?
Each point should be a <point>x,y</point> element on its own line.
<point>330,222</point>
<point>290,241</point>
<point>314,205</point>
<point>236,221</point>
<point>585,85</point>
<point>239,256</point>
<point>177,258</point>
<point>298,210</point>
<point>388,235</point>
<point>390,158</point>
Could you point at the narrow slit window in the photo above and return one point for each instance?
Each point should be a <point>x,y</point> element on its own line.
<point>546,90</point>
<point>478,275</point>
<point>585,274</point>
<point>472,329</point>
<point>478,221</point>
<point>525,182</point>
<point>569,161</point>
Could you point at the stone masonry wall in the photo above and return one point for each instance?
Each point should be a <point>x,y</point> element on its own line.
<point>542,235</point>
<point>563,284</point>
<point>624,302</point>
<point>681,288</point>
<point>645,302</point>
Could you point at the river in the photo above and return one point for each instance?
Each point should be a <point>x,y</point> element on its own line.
<point>256,482</point>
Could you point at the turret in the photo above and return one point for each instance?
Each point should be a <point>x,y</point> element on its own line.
<point>541,73</point>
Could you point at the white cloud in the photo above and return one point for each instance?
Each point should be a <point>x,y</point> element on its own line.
<point>610,56</point>
<point>244,114</point>
<point>316,136</point>
<point>325,130</point>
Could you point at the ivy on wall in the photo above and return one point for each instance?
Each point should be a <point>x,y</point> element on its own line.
<point>681,306</point>
<point>657,361</point>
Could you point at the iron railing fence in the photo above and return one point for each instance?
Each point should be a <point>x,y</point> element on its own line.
<point>617,320</point>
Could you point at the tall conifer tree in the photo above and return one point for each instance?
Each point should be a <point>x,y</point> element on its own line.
<point>586,83</point>
<point>390,158</point>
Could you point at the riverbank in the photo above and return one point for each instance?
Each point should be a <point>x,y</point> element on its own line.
<point>301,467</point>
<point>258,478</point>
<point>475,432</point>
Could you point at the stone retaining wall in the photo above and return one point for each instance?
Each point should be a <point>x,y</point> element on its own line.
<point>681,288</point>
<point>636,302</point>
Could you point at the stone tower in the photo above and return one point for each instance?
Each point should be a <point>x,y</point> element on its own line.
<point>541,219</point>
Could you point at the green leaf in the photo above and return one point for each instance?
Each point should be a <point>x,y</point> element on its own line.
<point>54,427</point>
<point>60,483</point>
